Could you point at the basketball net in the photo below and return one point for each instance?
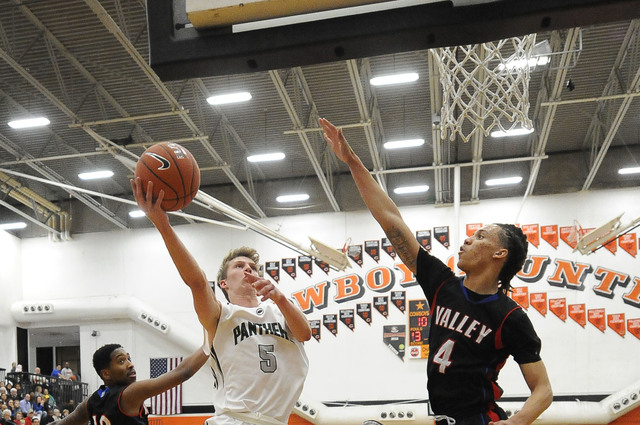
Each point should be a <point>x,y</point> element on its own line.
<point>485,86</point>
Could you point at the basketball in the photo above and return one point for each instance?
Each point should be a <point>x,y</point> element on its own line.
<point>171,168</point>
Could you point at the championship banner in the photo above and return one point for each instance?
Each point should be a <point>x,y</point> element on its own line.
<point>289,267</point>
<point>520,294</point>
<point>398,298</point>
<point>578,313</point>
<point>315,329</point>
<point>424,239</point>
<point>322,265</point>
<point>612,246</point>
<point>364,311</point>
<point>393,337</point>
<point>472,228</point>
<point>330,321</point>
<point>355,253</point>
<point>346,317</point>
<point>418,329</point>
<point>616,322</point>
<point>373,249</point>
<point>569,235</point>
<point>558,306</point>
<point>273,270</point>
<point>633,326</point>
<point>628,243</point>
<point>441,234</point>
<point>596,318</point>
<point>549,234</point>
<point>532,234</point>
<point>538,300</point>
<point>381,304</point>
<point>304,262</point>
<point>388,248</point>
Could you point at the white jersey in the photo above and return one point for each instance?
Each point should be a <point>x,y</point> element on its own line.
<point>258,366</point>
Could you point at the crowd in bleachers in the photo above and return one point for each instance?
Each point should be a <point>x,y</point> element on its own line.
<point>36,398</point>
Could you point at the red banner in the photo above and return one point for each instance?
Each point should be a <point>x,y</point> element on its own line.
<point>616,322</point>
<point>550,235</point>
<point>628,243</point>
<point>569,235</point>
<point>578,313</point>
<point>538,301</point>
<point>558,306</point>
<point>471,228</point>
<point>532,234</point>
<point>633,326</point>
<point>596,318</point>
<point>612,246</point>
<point>521,296</point>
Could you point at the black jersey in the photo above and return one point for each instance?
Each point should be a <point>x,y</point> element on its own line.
<point>104,408</point>
<point>470,338</point>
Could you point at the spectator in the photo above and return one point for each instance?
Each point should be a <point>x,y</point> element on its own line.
<point>6,417</point>
<point>13,367</point>
<point>38,405</point>
<point>56,371</point>
<point>13,406</point>
<point>65,413</point>
<point>18,368</point>
<point>4,398</point>
<point>56,415</point>
<point>26,404</point>
<point>18,418</point>
<point>28,418</point>
<point>35,420</point>
<point>49,401</point>
<point>13,394</point>
<point>66,372</point>
<point>47,417</point>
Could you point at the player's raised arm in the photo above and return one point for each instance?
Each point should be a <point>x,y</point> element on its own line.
<point>384,210</point>
<point>204,300</point>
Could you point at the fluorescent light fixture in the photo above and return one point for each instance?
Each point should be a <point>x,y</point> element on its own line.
<point>399,144</point>
<point>503,181</point>
<point>29,122</point>
<point>13,226</point>
<point>94,175</point>
<point>512,132</point>
<point>522,63</point>
<point>223,99</point>
<point>630,170</point>
<point>292,198</point>
<point>411,189</point>
<point>386,80</point>
<point>136,213</point>
<point>265,157</point>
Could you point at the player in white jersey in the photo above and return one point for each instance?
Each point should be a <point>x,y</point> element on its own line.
<point>257,357</point>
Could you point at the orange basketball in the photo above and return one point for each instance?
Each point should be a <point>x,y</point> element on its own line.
<point>173,169</point>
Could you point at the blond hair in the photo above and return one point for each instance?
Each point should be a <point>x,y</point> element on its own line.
<point>243,251</point>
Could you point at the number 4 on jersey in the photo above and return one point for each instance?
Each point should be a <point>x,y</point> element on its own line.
<point>443,355</point>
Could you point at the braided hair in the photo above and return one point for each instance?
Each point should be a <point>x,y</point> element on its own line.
<point>513,239</point>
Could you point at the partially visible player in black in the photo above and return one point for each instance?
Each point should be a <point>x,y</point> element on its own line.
<point>474,325</point>
<point>120,400</point>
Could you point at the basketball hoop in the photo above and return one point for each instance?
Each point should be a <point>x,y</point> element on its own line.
<point>485,86</point>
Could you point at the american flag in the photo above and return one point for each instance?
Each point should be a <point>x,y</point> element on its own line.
<point>170,401</point>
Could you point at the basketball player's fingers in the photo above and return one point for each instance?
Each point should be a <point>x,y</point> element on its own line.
<point>251,277</point>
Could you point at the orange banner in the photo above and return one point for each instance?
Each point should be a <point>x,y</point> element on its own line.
<point>558,306</point>
<point>616,322</point>
<point>569,235</point>
<point>550,234</point>
<point>577,313</point>
<point>471,228</point>
<point>538,301</point>
<point>521,296</point>
<point>628,243</point>
<point>633,326</point>
<point>596,318</point>
<point>532,234</point>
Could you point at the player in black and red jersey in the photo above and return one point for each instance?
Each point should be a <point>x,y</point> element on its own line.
<point>474,325</point>
<point>120,400</point>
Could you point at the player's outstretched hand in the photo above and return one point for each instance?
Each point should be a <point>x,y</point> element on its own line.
<point>146,203</point>
<point>265,288</point>
<point>334,138</point>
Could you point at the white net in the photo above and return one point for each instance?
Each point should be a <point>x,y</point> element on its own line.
<point>485,86</point>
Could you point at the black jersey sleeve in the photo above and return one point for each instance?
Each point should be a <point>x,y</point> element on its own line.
<point>430,273</point>
<point>520,338</point>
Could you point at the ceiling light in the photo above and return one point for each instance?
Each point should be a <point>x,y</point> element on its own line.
<point>503,181</point>
<point>630,170</point>
<point>394,79</point>
<point>411,189</point>
<point>223,99</point>
<point>292,198</point>
<point>522,63</point>
<point>29,122</point>
<point>512,132</point>
<point>13,226</point>
<point>265,157</point>
<point>94,175</point>
<point>409,143</point>
<point>136,213</point>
